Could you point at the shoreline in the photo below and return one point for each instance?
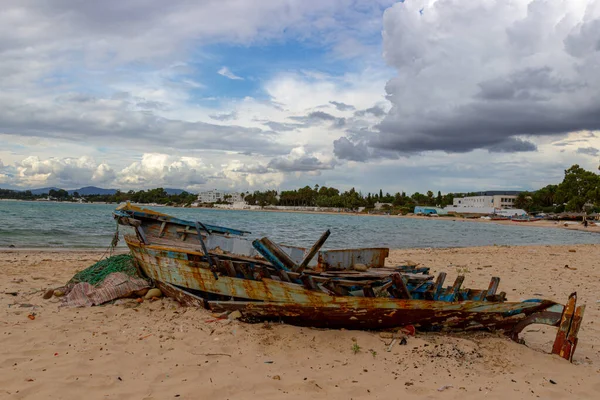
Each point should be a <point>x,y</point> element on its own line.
<point>567,225</point>
<point>125,249</point>
<point>538,224</point>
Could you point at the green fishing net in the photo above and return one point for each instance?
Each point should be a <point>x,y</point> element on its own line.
<point>96,273</point>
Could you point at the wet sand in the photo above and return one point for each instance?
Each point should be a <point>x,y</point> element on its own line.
<point>158,350</point>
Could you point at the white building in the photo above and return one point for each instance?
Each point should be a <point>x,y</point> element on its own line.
<point>213,196</point>
<point>492,200</point>
<point>379,206</point>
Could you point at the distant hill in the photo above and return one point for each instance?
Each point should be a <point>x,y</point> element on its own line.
<point>174,191</point>
<point>43,190</point>
<point>88,190</point>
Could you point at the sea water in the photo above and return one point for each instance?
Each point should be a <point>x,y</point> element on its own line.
<point>73,225</point>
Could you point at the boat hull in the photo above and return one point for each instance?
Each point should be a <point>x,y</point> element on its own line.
<point>270,298</point>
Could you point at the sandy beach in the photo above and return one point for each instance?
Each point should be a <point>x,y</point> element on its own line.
<point>159,350</point>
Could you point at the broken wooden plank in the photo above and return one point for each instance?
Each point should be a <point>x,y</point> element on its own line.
<point>313,251</point>
<point>368,291</point>
<point>141,234</point>
<point>184,298</point>
<point>161,232</point>
<point>398,288</point>
<point>561,347</point>
<point>572,338</point>
<point>242,269</point>
<point>452,292</point>
<point>205,250</point>
<point>495,281</point>
<point>335,288</point>
<point>309,282</point>
<point>228,266</point>
<point>438,286</point>
<point>273,253</point>
<point>283,275</point>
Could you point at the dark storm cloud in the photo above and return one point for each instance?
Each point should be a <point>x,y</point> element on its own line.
<point>522,82</point>
<point>342,106</point>
<point>101,120</point>
<point>377,111</point>
<point>282,127</point>
<point>344,149</point>
<point>512,145</point>
<point>304,163</point>
<point>319,117</point>
<point>590,151</point>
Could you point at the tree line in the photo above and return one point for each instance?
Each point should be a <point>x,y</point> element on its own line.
<point>579,190</point>
<point>157,196</point>
<point>323,196</point>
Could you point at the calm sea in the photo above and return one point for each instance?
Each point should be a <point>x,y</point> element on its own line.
<point>41,224</point>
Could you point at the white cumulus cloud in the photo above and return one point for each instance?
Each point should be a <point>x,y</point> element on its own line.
<point>489,74</point>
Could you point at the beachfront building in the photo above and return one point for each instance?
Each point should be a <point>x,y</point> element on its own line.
<point>213,196</point>
<point>428,210</point>
<point>494,199</point>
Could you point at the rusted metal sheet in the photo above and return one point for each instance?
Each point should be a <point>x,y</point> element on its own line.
<point>346,258</point>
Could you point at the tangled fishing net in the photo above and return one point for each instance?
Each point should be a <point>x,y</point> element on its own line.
<point>109,279</point>
<point>97,273</point>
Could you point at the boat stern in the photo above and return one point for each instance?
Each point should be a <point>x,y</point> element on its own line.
<point>568,320</point>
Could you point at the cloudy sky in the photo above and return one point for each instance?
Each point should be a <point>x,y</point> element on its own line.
<point>446,95</point>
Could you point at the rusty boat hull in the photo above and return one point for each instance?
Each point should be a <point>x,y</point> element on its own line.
<point>284,286</point>
<point>270,299</point>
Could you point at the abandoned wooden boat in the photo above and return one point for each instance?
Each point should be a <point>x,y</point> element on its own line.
<point>224,271</point>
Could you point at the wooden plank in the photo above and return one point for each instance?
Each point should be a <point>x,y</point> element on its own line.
<point>283,275</point>
<point>335,288</point>
<point>184,298</point>
<point>453,292</point>
<point>272,252</point>
<point>129,221</point>
<point>494,282</point>
<point>398,288</point>
<point>308,282</point>
<point>261,271</point>
<point>206,254</point>
<point>561,347</point>
<point>228,266</point>
<point>242,269</point>
<point>141,234</point>
<point>368,291</point>
<point>575,325</point>
<point>438,286</point>
<point>161,232</point>
<point>313,250</point>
